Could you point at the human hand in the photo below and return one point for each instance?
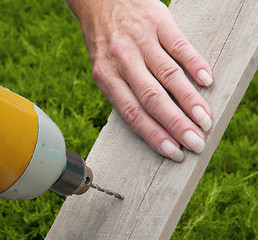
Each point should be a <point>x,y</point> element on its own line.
<point>134,48</point>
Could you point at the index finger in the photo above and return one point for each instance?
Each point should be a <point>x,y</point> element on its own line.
<point>173,41</point>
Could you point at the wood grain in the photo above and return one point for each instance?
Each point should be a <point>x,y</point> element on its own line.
<point>156,189</point>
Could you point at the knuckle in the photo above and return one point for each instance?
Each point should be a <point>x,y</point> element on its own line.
<point>168,74</point>
<point>179,45</point>
<point>150,97</point>
<point>193,61</point>
<point>97,71</point>
<point>130,113</point>
<point>118,48</point>
<point>152,134</point>
<point>136,30</point>
<point>189,97</point>
<point>139,37</point>
<point>175,124</point>
<point>102,77</point>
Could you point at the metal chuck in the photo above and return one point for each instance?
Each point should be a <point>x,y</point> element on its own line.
<point>76,178</point>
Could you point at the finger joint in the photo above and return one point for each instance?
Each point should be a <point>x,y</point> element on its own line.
<point>150,97</point>
<point>168,74</point>
<point>175,124</point>
<point>179,45</point>
<point>130,113</point>
<point>188,98</point>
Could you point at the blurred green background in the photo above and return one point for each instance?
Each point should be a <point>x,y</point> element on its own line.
<point>43,58</point>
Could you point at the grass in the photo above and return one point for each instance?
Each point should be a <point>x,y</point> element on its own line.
<point>43,58</point>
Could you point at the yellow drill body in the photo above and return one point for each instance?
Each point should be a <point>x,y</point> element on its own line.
<point>18,136</point>
<point>33,157</point>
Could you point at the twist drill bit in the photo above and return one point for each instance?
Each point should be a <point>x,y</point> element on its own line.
<point>107,191</point>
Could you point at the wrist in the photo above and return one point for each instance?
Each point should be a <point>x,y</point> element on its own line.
<point>83,8</point>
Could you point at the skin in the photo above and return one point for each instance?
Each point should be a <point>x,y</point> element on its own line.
<point>134,46</point>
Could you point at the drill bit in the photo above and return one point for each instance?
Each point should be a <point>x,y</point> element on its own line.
<point>107,191</point>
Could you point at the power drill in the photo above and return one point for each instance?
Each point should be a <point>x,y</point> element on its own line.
<point>33,156</point>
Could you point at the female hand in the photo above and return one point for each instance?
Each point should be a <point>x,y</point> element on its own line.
<point>135,47</point>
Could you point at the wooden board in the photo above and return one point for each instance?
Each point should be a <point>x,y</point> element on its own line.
<point>156,189</point>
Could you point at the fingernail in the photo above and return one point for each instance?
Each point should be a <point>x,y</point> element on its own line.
<point>202,118</point>
<point>193,141</point>
<point>172,151</point>
<point>205,77</point>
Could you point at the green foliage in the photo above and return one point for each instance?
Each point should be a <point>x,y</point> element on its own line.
<point>43,58</point>
<point>167,2</point>
<point>32,219</point>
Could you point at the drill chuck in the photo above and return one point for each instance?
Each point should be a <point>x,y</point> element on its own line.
<point>76,177</point>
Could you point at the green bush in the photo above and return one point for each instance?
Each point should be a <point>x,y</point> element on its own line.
<point>43,58</point>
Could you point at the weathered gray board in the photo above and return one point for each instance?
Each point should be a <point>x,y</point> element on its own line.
<point>157,190</point>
